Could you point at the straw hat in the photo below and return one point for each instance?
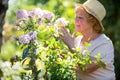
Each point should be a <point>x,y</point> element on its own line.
<point>95,8</point>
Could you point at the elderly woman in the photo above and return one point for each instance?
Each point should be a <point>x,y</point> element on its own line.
<point>88,22</point>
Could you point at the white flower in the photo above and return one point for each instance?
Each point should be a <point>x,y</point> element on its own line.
<point>61,22</point>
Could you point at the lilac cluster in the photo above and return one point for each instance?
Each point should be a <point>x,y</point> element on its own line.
<point>33,35</point>
<point>22,14</point>
<point>25,39</point>
<point>37,16</point>
<point>37,12</point>
<point>48,15</point>
<point>30,20</point>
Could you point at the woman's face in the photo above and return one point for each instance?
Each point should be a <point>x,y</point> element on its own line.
<point>81,22</point>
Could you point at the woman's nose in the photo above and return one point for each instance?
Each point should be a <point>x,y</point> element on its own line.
<point>76,21</point>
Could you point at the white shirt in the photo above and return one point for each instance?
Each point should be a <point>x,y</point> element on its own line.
<point>103,45</point>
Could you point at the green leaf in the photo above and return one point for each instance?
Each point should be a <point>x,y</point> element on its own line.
<point>25,53</point>
<point>86,44</point>
<point>78,34</point>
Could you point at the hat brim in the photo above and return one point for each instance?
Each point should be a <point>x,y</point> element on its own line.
<point>93,14</point>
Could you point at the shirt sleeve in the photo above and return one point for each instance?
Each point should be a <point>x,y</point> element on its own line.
<point>106,51</point>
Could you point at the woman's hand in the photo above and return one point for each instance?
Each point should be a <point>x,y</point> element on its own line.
<point>67,38</point>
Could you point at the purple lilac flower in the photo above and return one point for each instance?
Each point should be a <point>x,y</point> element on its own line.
<point>22,23</point>
<point>61,22</point>
<point>19,23</point>
<point>16,38</point>
<point>33,35</point>
<point>25,39</point>
<point>48,15</point>
<point>31,14</point>
<point>35,12</point>
<point>16,23</point>
<point>40,15</point>
<point>22,14</point>
<point>38,12</point>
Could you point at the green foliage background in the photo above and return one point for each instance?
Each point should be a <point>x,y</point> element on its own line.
<point>62,8</point>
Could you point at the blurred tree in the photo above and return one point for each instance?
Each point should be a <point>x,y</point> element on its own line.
<point>3,9</point>
<point>80,1</point>
<point>59,8</point>
<point>40,1</point>
<point>112,25</point>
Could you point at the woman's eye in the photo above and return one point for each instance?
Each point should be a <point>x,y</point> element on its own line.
<point>79,18</point>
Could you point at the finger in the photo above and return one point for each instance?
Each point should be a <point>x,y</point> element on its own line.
<point>61,35</point>
<point>61,38</point>
<point>59,30</point>
<point>62,31</point>
<point>65,30</point>
<point>73,35</point>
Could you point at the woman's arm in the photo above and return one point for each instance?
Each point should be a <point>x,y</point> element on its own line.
<point>107,56</point>
<point>67,39</point>
<point>90,67</point>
